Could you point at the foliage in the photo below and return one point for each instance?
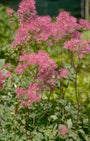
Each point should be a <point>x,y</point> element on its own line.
<point>44,76</point>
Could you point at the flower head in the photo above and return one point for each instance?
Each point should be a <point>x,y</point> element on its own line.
<point>63,72</point>
<point>10,11</point>
<point>84,24</point>
<point>79,47</point>
<point>63,129</point>
<point>27,10</point>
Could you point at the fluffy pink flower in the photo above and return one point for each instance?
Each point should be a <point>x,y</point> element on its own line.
<point>42,28</point>
<point>45,75</point>
<point>63,129</point>
<point>53,29</point>
<point>46,66</point>
<point>80,47</point>
<point>40,59</point>
<point>22,37</point>
<point>25,103</point>
<point>29,95</point>
<point>10,11</point>
<point>8,74</point>
<point>2,77</point>
<point>20,92</point>
<point>43,36</point>
<point>84,23</point>
<point>50,43</point>
<point>19,69</point>
<point>80,56</point>
<point>11,22</point>
<point>27,10</point>
<point>7,65</point>
<point>63,72</point>
<point>66,23</point>
<point>33,93</point>
<point>25,57</point>
<point>76,35</point>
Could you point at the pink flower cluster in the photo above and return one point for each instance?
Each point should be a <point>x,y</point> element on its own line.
<point>63,72</point>
<point>84,24</point>
<point>22,36</point>
<point>66,23</point>
<point>20,92</point>
<point>33,93</point>
<point>27,10</point>
<point>3,77</point>
<point>44,79</point>
<point>63,129</point>
<point>40,59</point>
<point>28,96</point>
<point>10,11</point>
<point>46,67</point>
<point>76,35</point>
<point>42,28</point>
<point>78,46</point>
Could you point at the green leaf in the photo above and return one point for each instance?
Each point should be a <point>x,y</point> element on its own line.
<point>58,83</point>
<point>69,123</point>
<point>74,136</point>
<point>23,121</point>
<point>2,62</point>
<point>82,132</point>
<point>54,117</point>
<point>87,138</point>
<point>85,121</point>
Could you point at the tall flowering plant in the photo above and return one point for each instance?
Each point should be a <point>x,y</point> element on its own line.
<point>41,77</point>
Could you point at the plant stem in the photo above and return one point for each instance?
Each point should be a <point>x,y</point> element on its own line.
<point>62,92</point>
<point>26,121</point>
<point>71,58</point>
<point>76,93</point>
<point>61,56</point>
<point>49,95</point>
<point>16,112</point>
<point>61,87</point>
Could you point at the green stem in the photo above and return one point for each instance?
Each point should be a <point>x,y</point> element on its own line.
<point>26,121</point>
<point>76,93</point>
<point>16,112</point>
